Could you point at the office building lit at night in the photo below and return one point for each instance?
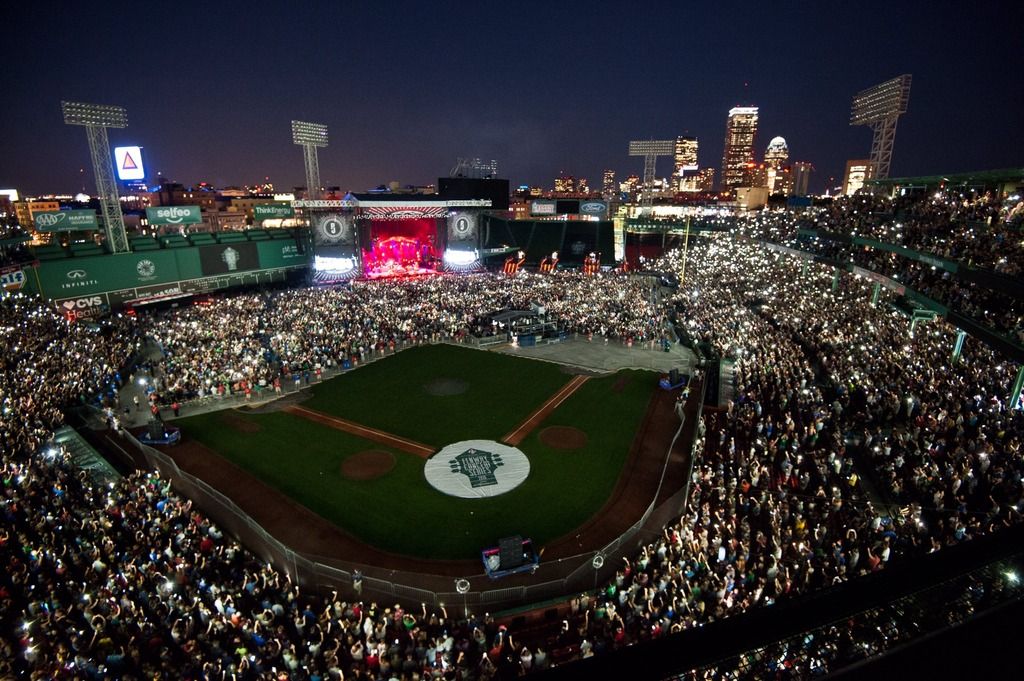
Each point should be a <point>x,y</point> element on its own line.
<point>685,161</point>
<point>740,136</point>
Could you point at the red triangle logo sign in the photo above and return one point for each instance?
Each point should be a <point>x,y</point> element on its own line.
<point>128,163</point>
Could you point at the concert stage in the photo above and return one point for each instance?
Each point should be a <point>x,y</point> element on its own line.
<point>379,237</point>
<point>402,248</point>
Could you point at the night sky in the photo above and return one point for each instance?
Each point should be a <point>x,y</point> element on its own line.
<point>543,87</point>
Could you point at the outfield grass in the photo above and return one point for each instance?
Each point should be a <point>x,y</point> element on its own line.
<point>389,395</point>
<point>401,512</point>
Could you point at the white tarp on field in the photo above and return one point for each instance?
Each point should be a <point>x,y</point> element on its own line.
<point>473,469</point>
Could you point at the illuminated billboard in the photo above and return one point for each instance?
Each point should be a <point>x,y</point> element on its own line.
<point>542,207</point>
<point>128,161</point>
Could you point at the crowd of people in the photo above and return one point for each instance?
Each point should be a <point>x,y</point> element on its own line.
<point>850,443</point>
<point>252,341</point>
<point>980,230</point>
<point>974,231</point>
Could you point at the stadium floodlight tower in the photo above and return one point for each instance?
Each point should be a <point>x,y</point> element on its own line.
<point>310,136</point>
<point>96,118</point>
<point>650,150</point>
<point>880,107</point>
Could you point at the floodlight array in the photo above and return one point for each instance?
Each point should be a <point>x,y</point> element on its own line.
<point>649,147</point>
<point>882,101</point>
<point>313,134</point>
<point>103,115</point>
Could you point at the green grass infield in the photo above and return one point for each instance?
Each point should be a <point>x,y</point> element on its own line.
<point>400,511</point>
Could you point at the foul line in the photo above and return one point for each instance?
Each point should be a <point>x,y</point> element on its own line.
<point>378,436</point>
<point>534,419</point>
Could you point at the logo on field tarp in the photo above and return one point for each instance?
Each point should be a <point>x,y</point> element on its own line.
<point>477,465</point>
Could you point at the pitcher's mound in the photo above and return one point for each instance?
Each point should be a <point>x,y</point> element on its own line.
<point>368,465</point>
<point>446,386</point>
<point>563,437</point>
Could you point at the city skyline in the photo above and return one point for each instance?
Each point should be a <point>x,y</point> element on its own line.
<point>407,89</point>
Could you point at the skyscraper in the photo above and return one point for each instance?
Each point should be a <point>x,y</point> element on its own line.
<point>705,180</point>
<point>801,177</point>
<point>565,184</point>
<point>777,153</point>
<point>608,191</point>
<point>775,157</point>
<point>857,173</point>
<point>685,159</point>
<point>738,157</point>
<point>630,186</point>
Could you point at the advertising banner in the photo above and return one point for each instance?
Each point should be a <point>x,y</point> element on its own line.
<point>80,277</point>
<point>232,257</point>
<point>12,277</point>
<point>65,220</point>
<point>280,253</point>
<point>597,208</point>
<point>269,211</point>
<point>87,307</point>
<point>542,207</point>
<point>128,161</point>
<point>174,215</point>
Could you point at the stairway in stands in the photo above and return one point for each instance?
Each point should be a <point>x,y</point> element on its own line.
<point>84,456</point>
<point>726,382</point>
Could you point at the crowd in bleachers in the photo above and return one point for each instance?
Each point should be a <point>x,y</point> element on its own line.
<point>981,230</point>
<point>850,444</point>
<point>974,231</point>
<point>829,389</point>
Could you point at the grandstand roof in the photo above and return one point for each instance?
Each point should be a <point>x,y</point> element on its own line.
<point>976,177</point>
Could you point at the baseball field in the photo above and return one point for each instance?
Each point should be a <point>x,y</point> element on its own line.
<point>354,452</point>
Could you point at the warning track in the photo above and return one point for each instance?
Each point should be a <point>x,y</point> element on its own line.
<point>538,416</point>
<point>378,436</point>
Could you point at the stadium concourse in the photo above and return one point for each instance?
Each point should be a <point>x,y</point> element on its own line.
<point>851,445</point>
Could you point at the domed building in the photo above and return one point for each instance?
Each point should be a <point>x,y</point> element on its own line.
<point>779,175</point>
<point>777,153</point>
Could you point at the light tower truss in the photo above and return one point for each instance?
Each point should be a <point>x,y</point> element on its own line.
<point>96,118</point>
<point>879,108</point>
<point>310,136</point>
<point>650,150</point>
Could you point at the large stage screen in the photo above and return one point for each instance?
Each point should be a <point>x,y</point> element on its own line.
<point>335,255</point>
<point>401,247</point>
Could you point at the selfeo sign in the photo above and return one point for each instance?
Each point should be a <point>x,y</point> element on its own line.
<point>174,215</point>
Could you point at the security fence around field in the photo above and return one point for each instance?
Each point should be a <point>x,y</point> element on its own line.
<point>471,593</point>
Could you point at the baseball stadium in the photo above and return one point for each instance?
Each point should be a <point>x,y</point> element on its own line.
<point>604,459</point>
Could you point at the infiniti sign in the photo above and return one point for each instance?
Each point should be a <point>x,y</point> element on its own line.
<point>77,274</point>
